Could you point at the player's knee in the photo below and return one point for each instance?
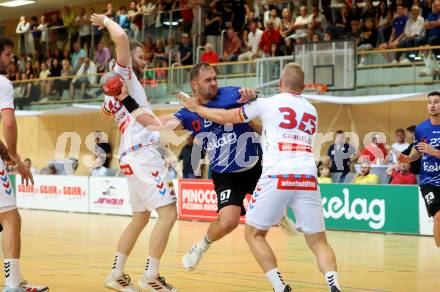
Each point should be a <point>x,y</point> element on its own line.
<point>228,224</point>
<point>168,214</point>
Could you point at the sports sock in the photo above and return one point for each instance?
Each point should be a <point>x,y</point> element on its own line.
<point>332,279</point>
<point>205,243</point>
<point>119,264</point>
<point>12,273</point>
<point>152,267</point>
<point>276,279</point>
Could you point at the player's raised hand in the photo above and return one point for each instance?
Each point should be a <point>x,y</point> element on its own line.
<point>247,94</point>
<point>190,103</point>
<point>98,20</point>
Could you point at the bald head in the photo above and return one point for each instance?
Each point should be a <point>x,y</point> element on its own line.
<point>292,78</point>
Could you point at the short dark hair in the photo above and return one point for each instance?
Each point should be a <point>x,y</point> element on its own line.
<point>135,44</point>
<point>434,93</point>
<point>196,69</point>
<point>27,159</point>
<point>411,129</point>
<point>5,42</point>
<point>400,130</point>
<point>338,132</point>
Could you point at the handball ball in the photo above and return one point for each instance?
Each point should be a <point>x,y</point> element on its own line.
<point>112,85</point>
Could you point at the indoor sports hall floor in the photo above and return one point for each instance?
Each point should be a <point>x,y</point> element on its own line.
<point>74,252</point>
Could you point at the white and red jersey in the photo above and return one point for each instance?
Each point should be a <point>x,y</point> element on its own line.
<point>289,123</point>
<point>6,93</point>
<point>132,132</point>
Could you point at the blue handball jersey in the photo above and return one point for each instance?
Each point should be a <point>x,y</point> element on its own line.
<point>230,148</point>
<point>430,165</point>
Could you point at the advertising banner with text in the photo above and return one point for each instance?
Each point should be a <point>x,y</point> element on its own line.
<point>109,195</point>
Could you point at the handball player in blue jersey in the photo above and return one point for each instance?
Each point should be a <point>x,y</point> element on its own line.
<point>427,140</point>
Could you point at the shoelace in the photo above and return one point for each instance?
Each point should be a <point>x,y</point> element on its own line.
<point>162,281</point>
<point>127,280</point>
<point>196,248</point>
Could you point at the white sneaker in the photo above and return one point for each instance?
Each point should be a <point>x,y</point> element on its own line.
<point>192,258</point>
<point>123,283</point>
<point>405,61</point>
<point>25,286</point>
<point>288,226</point>
<point>157,283</point>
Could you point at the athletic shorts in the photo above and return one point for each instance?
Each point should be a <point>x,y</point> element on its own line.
<point>232,187</point>
<point>7,196</point>
<point>146,178</point>
<point>274,194</point>
<point>431,195</point>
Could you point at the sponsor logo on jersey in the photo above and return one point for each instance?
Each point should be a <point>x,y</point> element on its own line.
<point>229,138</point>
<point>297,182</point>
<point>431,167</point>
<point>196,125</point>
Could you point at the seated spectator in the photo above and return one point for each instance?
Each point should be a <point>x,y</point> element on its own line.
<point>317,22</point>
<point>186,51</point>
<point>324,175</point>
<point>269,36</point>
<point>102,57</point>
<point>301,25</point>
<point>231,46</point>
<point>415,165</point>
<point>342,26</point>
<point>251,17</point>
<point>50,169</point>
<point>397,34</point>
<point>384,21</point>
<point>368,38</point>
<point>209,55</point>
<point>275,50</point>
<point>376,152</point>
<point>327,37</point>
<point>288,47</point>
<point>12,73</point>
<point>369,10</point>
<point>63,83</point>
<point>85,76</point>
<point>355,31</point>
<point>172,50</point>
<point>77,56</point>
<point>251,42</point>
<point>399,146</point>
<point>276,21</point>
<point>400,174</point>
<point>286,23</point>
<point>432,68</point>
<point>44,83</point>
<point>365,177</point>
<point>414,28</point>
<point>432,27</point>
<point>316,38</point>
<point>28,164</point>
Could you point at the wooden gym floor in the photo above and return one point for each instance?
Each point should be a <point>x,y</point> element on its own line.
<point>74,252</point>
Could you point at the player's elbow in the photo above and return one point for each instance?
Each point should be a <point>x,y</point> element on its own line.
<point>120,37</point>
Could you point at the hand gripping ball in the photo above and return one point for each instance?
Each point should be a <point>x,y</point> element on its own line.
<point>112,84</point>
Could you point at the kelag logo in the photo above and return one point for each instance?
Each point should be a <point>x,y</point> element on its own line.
<point>379,208</point>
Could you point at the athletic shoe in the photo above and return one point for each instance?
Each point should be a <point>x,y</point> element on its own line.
<point>192,258</point>
<point>123,283</point>
<point>286,289</point>
<point>334,289</point>
<point>288,226</point>
<point>157,283</point>
<point>25,287</point>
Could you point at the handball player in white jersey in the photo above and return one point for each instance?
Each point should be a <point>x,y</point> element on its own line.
<point>140,162</point>
<point>289,173</point>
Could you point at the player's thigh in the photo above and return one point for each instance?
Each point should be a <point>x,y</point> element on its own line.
<point>307,208</point>
<point>267,204</point>
<point>229,192</point>
<point>7,195</point>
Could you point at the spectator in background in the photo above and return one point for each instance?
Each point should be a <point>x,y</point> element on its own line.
<point>432,27</point>
<point>64,82</point>
<point>123,20</point>
<point>186,54</point>
<point>276,21</point>
<point>78,56</point>
<point>375,152</point>
<point>251,41</point>
<point>109,11</point>
<point>22,28</point>
<point>43,29</point>
<point>172,50</point>
<point>102,57</point>
<point>213,26</point>
<point>232,46</point>
<point>12,72</point>
<point>400,174</point>
<point>355,31</point>
<point>341,155</point>
<point>301,25</point>
<point>327,37</point>
<point>317,22</point>
<point>324,175</point>
<point>287,22</point>
<point>36,34</point>
<point>191,155</point>
<point>414,28</point>
<point>82,21</point>
<point>369,11</point>
<point>44,83</point>
<point>187,15</point>
<point>415,165</point>
<point>342,26</point>
<point>61,35</point>
<point>432,68</point>
<point>29,71</point>
<point>51,170</point>
<point>368,38</point>
<point>239,12</point>
<point>28,164</point>
<point>251,17</point>
<point>364,176</point>
<point>135,18</point>
<point>397,33</point>
<point>316,38</point>
<point>209,55</point>
<point>269,36</point>
<point>384,19</point>
<point>69,20</point>
<point>85,76</point>
<point>399,146</point>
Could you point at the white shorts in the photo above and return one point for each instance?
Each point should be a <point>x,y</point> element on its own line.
<point>273,194</point>
<point>146,178</point>
<point>7,196</point>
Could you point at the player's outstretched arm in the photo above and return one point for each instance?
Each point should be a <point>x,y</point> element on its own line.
<point>413,156</point>
<point>118,36</point>
<point>219,116</point>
